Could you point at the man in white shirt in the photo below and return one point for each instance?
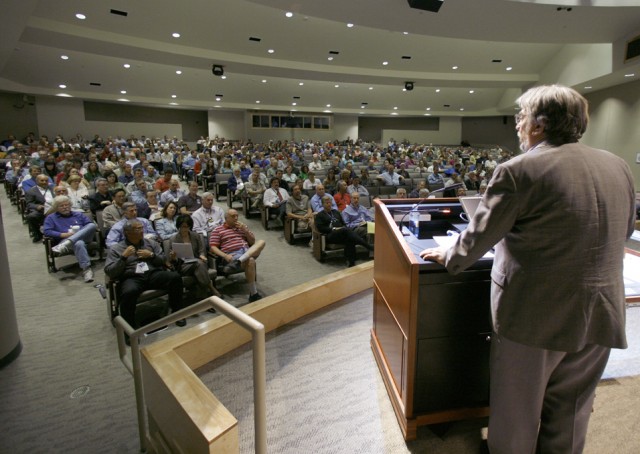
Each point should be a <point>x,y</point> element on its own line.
<point>275,198</point>
<point>207,217</point>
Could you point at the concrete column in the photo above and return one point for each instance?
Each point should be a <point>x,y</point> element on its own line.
<point>10,345</point>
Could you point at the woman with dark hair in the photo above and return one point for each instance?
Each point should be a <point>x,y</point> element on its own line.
<point>112,181</point>
<point>198,267</point>
<point>208,174</point>
<point>166,225</point>
<point>49,169</point>
<point>93,172</point>
<point>330,181</point>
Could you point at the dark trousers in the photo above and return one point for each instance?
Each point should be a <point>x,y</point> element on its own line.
<point>133,286</point>
<point>35,219</point>
<point>350,240</point>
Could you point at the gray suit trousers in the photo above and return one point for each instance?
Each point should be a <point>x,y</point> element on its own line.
<point>541,398</point>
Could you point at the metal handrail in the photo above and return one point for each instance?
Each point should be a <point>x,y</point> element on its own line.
<point>134,367</point>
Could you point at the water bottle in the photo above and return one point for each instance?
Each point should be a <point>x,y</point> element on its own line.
<point>414,221</point>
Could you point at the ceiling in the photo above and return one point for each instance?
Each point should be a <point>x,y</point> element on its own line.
<point>579,44</point>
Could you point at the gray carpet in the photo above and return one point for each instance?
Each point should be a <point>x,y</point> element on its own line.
<point>68,392</point>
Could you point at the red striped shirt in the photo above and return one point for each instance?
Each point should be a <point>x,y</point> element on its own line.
<point>227,239</point>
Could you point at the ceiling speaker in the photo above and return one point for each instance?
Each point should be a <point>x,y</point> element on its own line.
<point>217,70</point>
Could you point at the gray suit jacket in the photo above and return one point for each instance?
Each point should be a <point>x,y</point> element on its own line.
<point>559,218</point>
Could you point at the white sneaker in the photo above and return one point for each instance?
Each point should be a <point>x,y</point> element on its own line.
<point>63,248</point>
<point>88,275</point>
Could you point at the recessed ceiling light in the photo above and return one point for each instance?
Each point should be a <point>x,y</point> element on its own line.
<point>330,58</point>
<point>370,88</point>
<point>64,57</point>
<point>62,86</point>
<point>385,63</point>
<point>428,108</point>
<point>294,103</point>
<point>301,84</point>
<point>173,104</point>
<point>336,86</point>
<point>454,67</point>
<point>123,92</point>
<point>437,90</point>
<point>174,96</point>
<point>264,81</point>
<point>271,51</point>
<point>123,99</point>
<point>223,77</point>
<point>461,109</point>
<point>350,25</point>
<point>394,113</point>
<point>328,105</point>
<point>405,33</point>
<point>288,14</point>
<point>127,65</point>
<point>629,75</point>
<point>326,111</point>
<point>178,72</point>
<point>472,91</point>
<point>294,110</point>
<point>257,102</point>
<point>363,107</point>
<point>427,115</point>
<point>217,106</point>
<point>509,68</point>
<point>395,108</point>
<point>176,35</point>
<point>586,88</point>
<point>218,99</point>
<point>64,95</point>
<point>81,16</point>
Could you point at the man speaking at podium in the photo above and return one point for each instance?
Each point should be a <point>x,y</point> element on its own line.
<point>558,215</point>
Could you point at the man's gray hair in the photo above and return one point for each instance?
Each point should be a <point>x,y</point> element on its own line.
<point>100,180</point>
<point>560,110</point>
<point>57,200</point>
<point>130,225</point>
<point>326,197</point>
<point>127,205</point>
<point>207,194</point>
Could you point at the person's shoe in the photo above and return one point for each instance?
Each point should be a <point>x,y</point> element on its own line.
<point>63,248</point>
<point>255,297</point>
<point>37,239</point>
<point>88,275</point>
<point>212,310</point>
<point>182,322</point>
<point>351,264</point>
<point>232,267</point>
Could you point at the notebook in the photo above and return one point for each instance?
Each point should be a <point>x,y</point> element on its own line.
<point>184,251</point>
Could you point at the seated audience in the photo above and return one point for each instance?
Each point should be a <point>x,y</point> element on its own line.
<point>129,211</point>
<point>72,231</point>
<point>165,225</point>
<point>36,199</point>
<point>173,194</point>
<point>191,201</point>
<point>298,208</point>
<point>342,197</point>
<point>316,200</point>
<point>390,177</point>
<point>78,194</point>
<point>254,188</point>
<point>237,245</point>
<point>139,263</point>
<point>356,186</point>
<point>275,198</point>
<point>207,217</point>
<point>197,268</point>
<point>330,223</point>
<point>355,216</point>
<point>401,193</point>
<point>113,213</point>
<point>102,198</point>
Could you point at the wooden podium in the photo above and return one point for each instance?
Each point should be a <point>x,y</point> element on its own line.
<point>431,330</point>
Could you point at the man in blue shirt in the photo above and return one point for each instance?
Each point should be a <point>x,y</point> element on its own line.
<point>73,230</point>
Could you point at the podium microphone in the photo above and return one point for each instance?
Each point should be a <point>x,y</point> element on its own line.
<point>446,188</point>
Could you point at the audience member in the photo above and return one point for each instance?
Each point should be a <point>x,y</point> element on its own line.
<point>35,200</point>
<point>316,200</point>
<point>330,223</point>
<point>342,197</point>
<point>101,198</point>
<point>139,263</point>
<point>298,208</point>
<point>275,198</point>
<point>129,211</point>
<point>236,244</point>
<point>191,201</point>
<point>165,225</point>
<point>72,231</point>
<point>208,216</point>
